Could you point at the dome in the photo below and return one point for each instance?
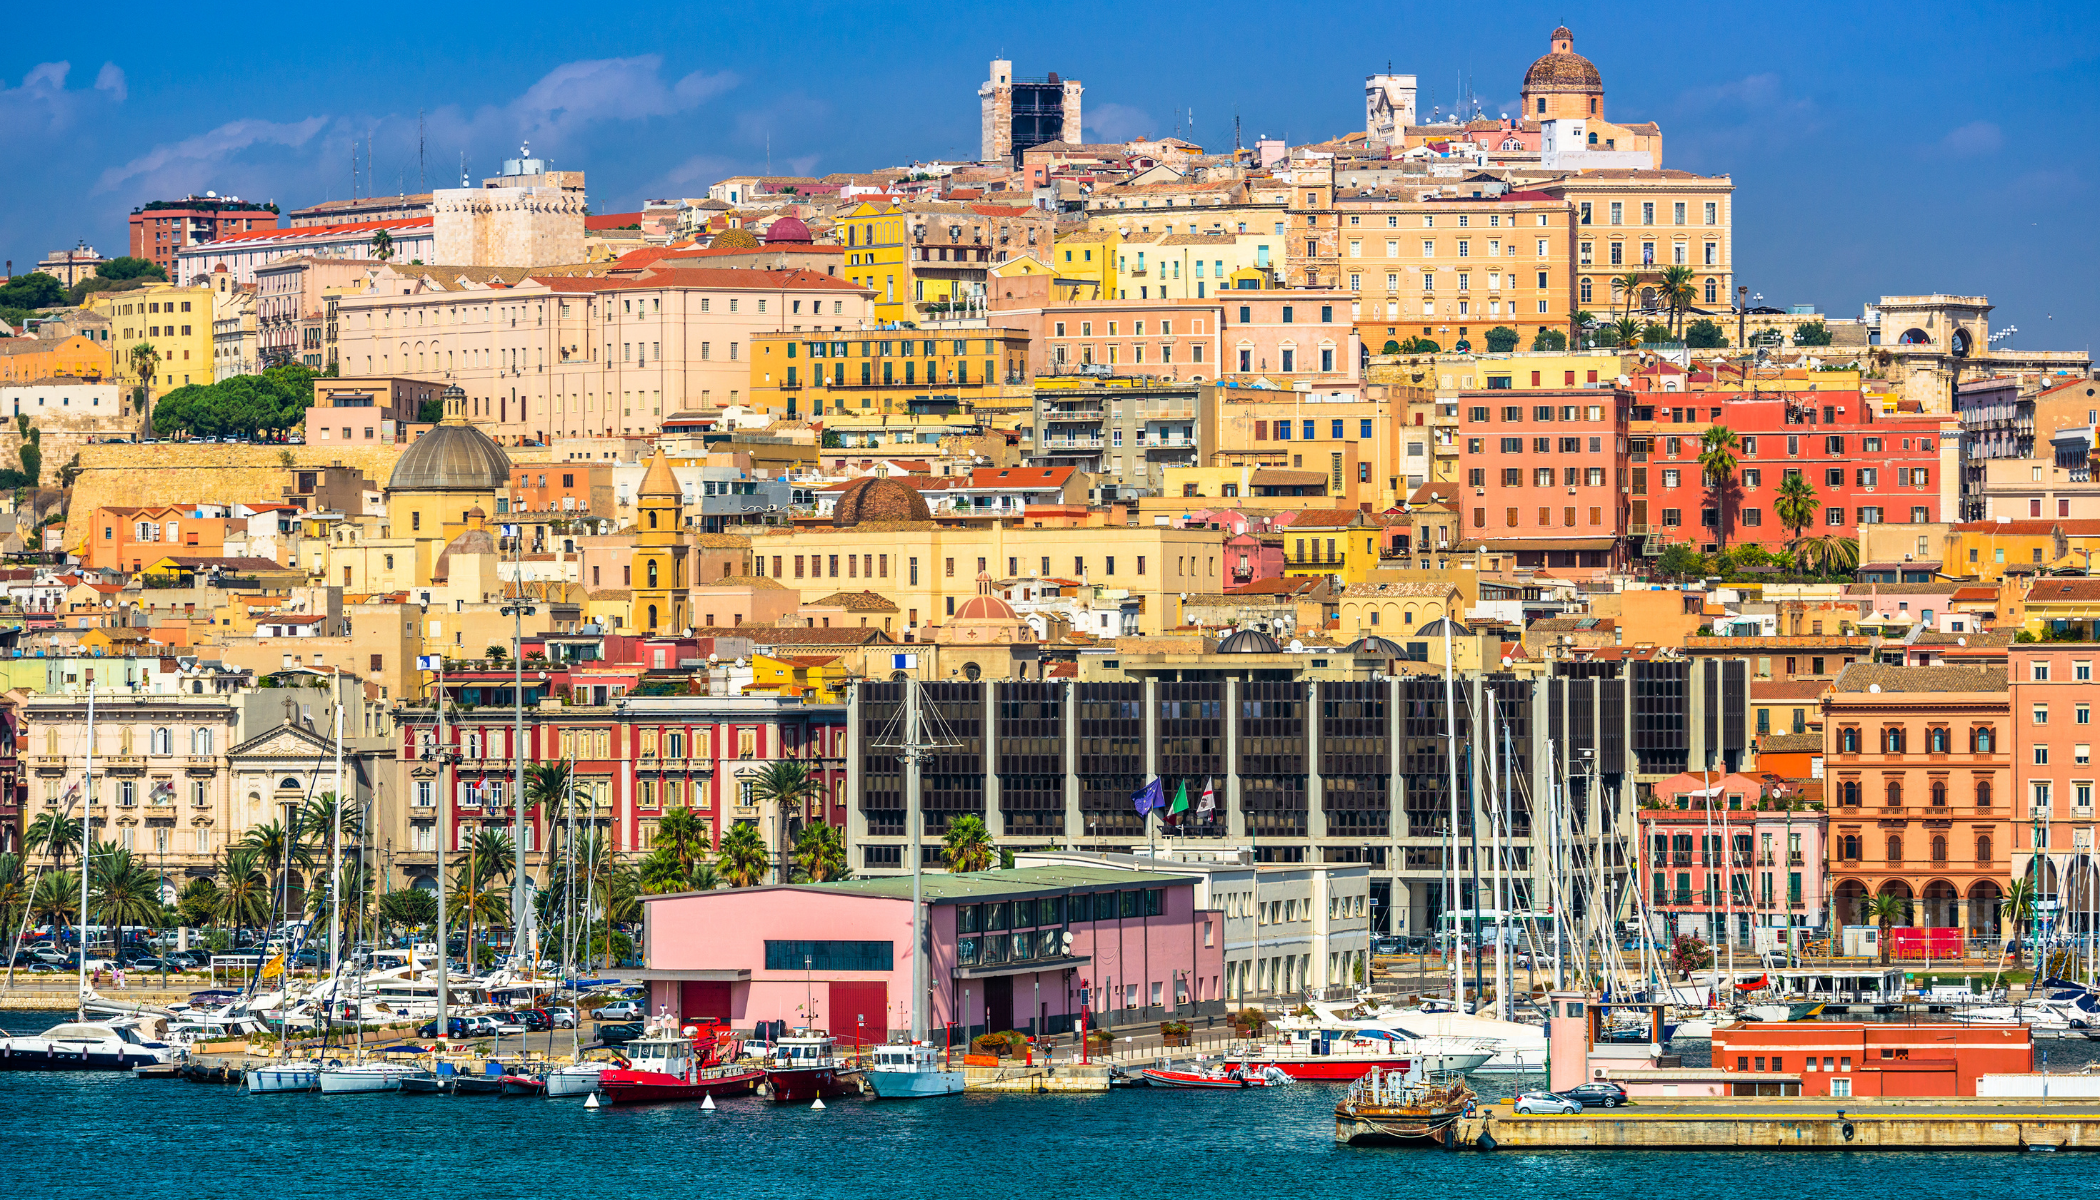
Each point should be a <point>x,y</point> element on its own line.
<point>1439,627</point>
<point>787,230</point>
<point>985,608</point>
<point>454,457</point>
<point>1373,644</point>
<point>473,540</point>
<point>879,498</point>
<point>1248,641</point>
<point>1562,70</point>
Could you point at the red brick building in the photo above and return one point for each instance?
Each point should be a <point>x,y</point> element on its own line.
<point>162,227</point>
<point>1844,1058</point>
<point>1546,475</point>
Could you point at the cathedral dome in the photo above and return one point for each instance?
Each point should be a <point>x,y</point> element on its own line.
<point>454,457</point>
<point>787,231</point>
<point>1248,641</point>
<point>1562,70</point>
<point>879,498</point>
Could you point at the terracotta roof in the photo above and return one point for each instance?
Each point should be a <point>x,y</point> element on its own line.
<point>721,541</point>
<point>1790,743</point>
<point>853,602</point>
<point>1026,477</point>
<point>322,231</point>
<point>1326,517</point>
<point>1980,638</point>
<point>1396,590</point>
<point>1573,625</point>
<point>1974,593</point>
<point>770,635</point>
<point>1786,689</point>
<point>1859,677</point>
<point>1276,587</point>
<point>2072,590</point>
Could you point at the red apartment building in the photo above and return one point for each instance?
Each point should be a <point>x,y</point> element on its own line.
<point>1842,1059</point>
<point>1867,467</point>
<point>1546,475</point>
<point>161,228</point>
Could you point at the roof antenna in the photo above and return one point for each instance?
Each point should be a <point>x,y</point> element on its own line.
<point>422,184</point>
<point>463,168</point>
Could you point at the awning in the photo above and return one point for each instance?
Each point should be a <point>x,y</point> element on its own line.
<point>697,975</point>
<point>1029,967</point>
<point>1573,543</point>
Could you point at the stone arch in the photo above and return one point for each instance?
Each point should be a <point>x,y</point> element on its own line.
<point>1849,899</point>
<point>1984,897</point>
<point>1914,337</point>
<point>1938,904</point>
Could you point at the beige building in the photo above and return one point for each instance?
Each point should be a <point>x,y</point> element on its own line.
<point>575,355</point>
<point>1635,221</point>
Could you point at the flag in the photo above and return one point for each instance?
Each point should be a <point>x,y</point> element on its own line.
<point>274,967</point>
<point>1181,801</point>
<point>1207,808</point>
<point>1148,797</point>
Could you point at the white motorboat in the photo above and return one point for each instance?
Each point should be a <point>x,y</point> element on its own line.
<point>1698,1029</point>
<point>576,1079</point>
<point>912,1071</point>
<point>283,1077</point>
<point>1513,1046</point>
<point>365,1077</point>
<point>116,1044</point>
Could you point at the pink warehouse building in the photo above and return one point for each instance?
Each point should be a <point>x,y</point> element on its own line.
<point>1016,949</point>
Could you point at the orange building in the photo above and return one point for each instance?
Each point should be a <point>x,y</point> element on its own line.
<point>1841,1059</point>
<point>27,360</point>
<point>1546,475</point>
<point>127,538</point>
<point>1917,777</point>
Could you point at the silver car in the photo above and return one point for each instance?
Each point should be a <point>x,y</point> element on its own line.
<point>1546,1103</point>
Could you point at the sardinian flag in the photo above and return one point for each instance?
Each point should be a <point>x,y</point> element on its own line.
<point>1207,807</point>
<point>72,794</point>
<point>163,793</point>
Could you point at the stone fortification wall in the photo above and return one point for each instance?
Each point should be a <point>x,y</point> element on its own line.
<point>121,474</point>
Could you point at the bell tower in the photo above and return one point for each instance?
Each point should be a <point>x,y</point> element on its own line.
<point>658,594</point>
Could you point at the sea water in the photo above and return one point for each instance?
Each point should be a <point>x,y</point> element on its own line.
<point>110,1135</point>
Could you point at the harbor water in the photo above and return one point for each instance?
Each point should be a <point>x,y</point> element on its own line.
<point>105,1134</point>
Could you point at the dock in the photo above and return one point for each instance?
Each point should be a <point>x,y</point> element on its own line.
<point>1742,1123</point>
<point>1040,1078</point>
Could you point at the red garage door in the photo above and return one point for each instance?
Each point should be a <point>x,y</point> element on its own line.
<point>859,1013</point>
<point>699,1000</point>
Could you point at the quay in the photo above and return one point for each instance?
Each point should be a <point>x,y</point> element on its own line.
<point>1728,1123</point>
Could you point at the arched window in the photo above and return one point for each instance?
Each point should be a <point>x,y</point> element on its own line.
<point>163,740</point>
<point>1895,793</point>
<point>288,784</point>
<point>200,741</point>
<point>652,572</point>
<point>1848,740</point>
<point>1895,848</point>
<point>1939,850</point>
<point>1983,849</point>
<point>1983,793</point>
<point>1849,847</point>
<point>1848,793</point>
<point>1937,739</point>
<point>652,518</point>
<point>1980,740</point>
<point>652,616</point>
<point>1892,740</point>
<point>1939,793</point>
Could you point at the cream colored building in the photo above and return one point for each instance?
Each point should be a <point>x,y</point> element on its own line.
<point>1634,221</point>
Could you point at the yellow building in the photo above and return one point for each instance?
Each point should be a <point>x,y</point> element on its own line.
<point>1986,550</point>
<point>921,258</point>
<point>1358,442</point>
<point>819,678</point>
<point>1641,222</point>
<point>1088,254</point>
<point>878,372</point>
<point>1394,610</point>
<point>659,591</point>
<point>1345,543</point>
<point>174,322</point>
<point>1194,266</point>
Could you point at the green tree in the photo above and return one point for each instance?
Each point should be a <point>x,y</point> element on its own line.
<point>1419,345</point>
<point>1680,561</point>
<point>409,909</point>
<point>145,363</point>
<point>1812,333</point>
<point>743,860</point>
<point>1656,332</point>
<point>125,268</point>
<point>1585,323</point>
<point>1885,910</point>
<point>1703,334</point>
<point>491,858</point>
<point>56,898</point>
<point>1625,333</point>
<point>123,891</point>
<point>1550,340</point>
<point>281,851</point>
<point>1717,459</point>
<point>244,893</point>
<point>1834,554</point>
<point>2016,909</point>
<point>1678,291</point>
<point>967,846</point>
<point>53,835</point>
<point>382,245</point>
<point>34,290</point>
<point>31,451</point>
<point>430,412</point>
<point>1796,504</point>
<point>1501,339</point>
<point>197,903</point>
<point>820,853</point>
<point>14,892</point>
<point>1391,347</point>
<point>1629,286</point>
<point>787,786</point>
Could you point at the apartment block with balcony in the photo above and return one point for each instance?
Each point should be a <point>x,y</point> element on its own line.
<point>2053,694</point>
<point>1723,854</point>
<point>1130,430</point>
<point>1546,476</point>
<point>857,379</point>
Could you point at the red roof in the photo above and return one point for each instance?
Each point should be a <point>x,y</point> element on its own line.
<point>611,221</point>
<point>323,231</point>
<point>703,277</point>
<point>1021,477</point>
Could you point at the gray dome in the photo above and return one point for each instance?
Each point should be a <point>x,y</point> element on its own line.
<point>454,457</point>
<point>1438,628</point>
<point>1373,644</point>
<point>1248,641</point>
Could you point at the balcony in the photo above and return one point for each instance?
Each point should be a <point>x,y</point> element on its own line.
<point>123,764</point>
<point>1071,445</point>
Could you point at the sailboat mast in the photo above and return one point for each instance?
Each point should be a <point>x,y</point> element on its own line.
<point>912,816</point>
<point>443,831</point>
<point>335,855</point>
<point>568,905</point>
<point>87,838</point>
<point>1458,976</point>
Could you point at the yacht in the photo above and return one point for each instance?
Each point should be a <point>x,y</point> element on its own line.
<point>370,1076</point>
<point>116,1044</point>
<point>576,1079</point>
<point>287,1076</point>
<point>910,1071</point>
<point>1513,1046</point>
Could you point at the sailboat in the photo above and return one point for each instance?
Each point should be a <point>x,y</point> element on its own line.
<point>913,1070</point>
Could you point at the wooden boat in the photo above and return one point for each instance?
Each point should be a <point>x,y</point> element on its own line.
<point>1400,1108</point>
<point>674,1066</point>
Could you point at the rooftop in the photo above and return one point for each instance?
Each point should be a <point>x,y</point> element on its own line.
<point>1880,677</point>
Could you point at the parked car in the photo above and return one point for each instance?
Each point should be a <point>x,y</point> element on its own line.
<point>564,1018</point>
<point>1548,1103</point>
<point>1388,945</point>
<point>455,1027</point>
<point>1597,1095</point>
<point>619,1010</point>
<point>535,1020</point>
<point>619,1034</point>
<point>147,962</point>
<point>499,1025</point>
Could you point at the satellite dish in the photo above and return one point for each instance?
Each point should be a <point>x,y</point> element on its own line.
<point>1874,688</point>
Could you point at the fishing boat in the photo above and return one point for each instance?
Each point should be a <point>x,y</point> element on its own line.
<point>677,1065</point>
<point>805,1066</point>
<point>357,1077</point>
<point>1225,1076</point>
<point>1400,1108</point>
<point>118,1044</point>
<point>913,1069</point>
<point>912,1072</point>
<point>488,1083</point>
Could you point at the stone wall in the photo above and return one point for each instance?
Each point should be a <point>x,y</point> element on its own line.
<point>115,473</point>
<point>508,226</point>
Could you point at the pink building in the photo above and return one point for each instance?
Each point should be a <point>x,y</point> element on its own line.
<point>1016,949</point>
<point>1773,876</point>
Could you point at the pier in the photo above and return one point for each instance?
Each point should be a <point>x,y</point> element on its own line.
<point>1768,1124</point>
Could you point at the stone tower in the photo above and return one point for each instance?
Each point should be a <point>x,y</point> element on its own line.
<point>526,217</point>
<point>1389,108</point>
<point>1012,116</point>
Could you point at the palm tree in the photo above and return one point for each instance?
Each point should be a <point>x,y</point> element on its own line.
<point>316,821</point>
<point>683,838</point>
<point>1717,447</point>
<point>1795,505</point>
<point>280,850</point>
<point>788,787</point>
<point>382,245</point>
<point>56,900</point>
<point>489,856</point>
<point>53,834</point>
<point>477,898</point>
<point>547,789</point>
<point>1584,322</point>
<point>124,892</point>
<point>244,899</point>
<point>1886,909</point>
<point>408,909</point>
<point>743,860</point>
<point>145,360</point>
<point>14,891</point>
<point>1678,292</point>
<point>1625,332</point>
<point>1835,554</point>
<point>967,846</point>
<point>820,853</point>
<point>2016,908</point>
<point>662,873</point>
<point>1627,285</point>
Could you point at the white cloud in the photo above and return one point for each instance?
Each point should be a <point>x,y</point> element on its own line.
<point>41,105</point>
<point>198,156</point>
<point>1977,137</point>
<point>1117,122</point>
<point>111,79</point>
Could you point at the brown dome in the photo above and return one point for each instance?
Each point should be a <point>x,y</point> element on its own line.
<point>1563,70</point>
<point>454,457</point>
<point>879,498</point>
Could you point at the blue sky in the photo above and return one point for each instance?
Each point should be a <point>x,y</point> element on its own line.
<point>1875,149</point>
